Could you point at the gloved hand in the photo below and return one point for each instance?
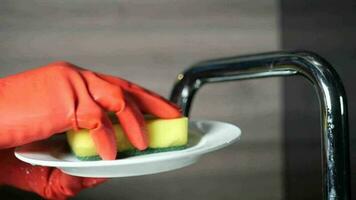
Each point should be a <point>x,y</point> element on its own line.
<point>41,102</point>
<point>47,100</point>
<point>50,183</point>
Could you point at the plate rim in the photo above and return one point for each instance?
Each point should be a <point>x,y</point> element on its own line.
<point>197,149</point>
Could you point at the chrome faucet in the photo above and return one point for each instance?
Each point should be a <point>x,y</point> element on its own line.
<point>327,84</point>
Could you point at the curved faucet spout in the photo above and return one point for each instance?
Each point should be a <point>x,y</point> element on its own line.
<point>327,84</point>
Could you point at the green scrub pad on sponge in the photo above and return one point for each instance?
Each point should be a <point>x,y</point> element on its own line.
<point>163,135</point>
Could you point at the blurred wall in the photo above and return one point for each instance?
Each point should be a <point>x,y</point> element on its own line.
<point>150,42</point>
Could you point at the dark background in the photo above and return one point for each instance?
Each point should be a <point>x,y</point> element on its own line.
<point>328,28</point>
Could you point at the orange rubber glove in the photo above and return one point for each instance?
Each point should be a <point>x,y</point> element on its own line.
<point>39,103</point>
<point>47,100</point>
<point>50,183</point>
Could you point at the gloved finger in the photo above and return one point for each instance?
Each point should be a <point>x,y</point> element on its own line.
<point>61,185</point>
<point>91,116</point>
<point>92,182</point>
<point>104,138</point>
<point>133,124</point>
<point>148,101</point>
<point>109,96</point>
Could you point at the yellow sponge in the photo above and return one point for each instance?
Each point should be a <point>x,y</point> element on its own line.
<point>163,135</point>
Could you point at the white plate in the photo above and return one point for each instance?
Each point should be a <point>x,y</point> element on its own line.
<point>204,137</point>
